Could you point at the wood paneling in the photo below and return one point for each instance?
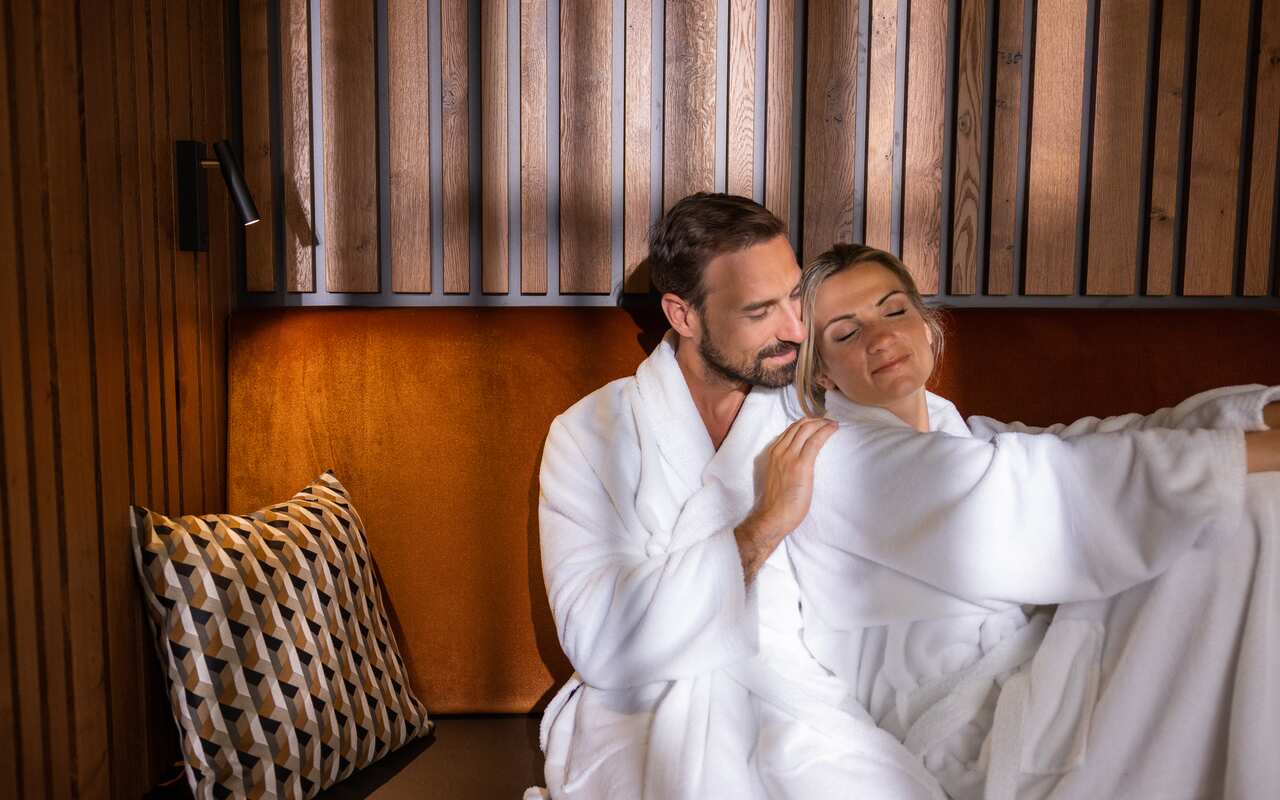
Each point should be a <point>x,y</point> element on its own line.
<point>1116,186</point>
<point>1163,218</point>
<point>1215,141</point>
<point>350,146</point>
<point>410,144</point>
<point>295,145</point>
<point>780,133</point>
<point>742,98</point>
<point>1006,133</point>
<point>1258,253</point>
<point>922,156</point>
<point>690,107</point>
<point>106,397</point>
<point>494,228</point>
<point>1053,183</point>
<point>882,70</point>
<point>586,185</point>
<point>456,123</point>
<point>830,117</point>
<point>637,174</point>
<point>533,146</point>
<point>966,200</point>
<point>255,100</point>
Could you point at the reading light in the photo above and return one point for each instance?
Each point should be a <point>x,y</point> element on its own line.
<point>193,213</point>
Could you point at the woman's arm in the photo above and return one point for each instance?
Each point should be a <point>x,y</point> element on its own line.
<point>1263,449</point>
<point>1227,408</point>
<point>1024,518</point>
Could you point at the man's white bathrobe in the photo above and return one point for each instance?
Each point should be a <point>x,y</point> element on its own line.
<point>1155,678</point>
<point>688,684</point>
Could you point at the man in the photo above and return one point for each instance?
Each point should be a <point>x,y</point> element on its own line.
<point>671,596</point>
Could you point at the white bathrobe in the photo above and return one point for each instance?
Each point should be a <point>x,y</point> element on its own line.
<point>1155,678</point>
<point>688,684</point>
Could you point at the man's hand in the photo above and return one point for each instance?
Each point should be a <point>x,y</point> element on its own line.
<point>1271,415</point>
<point>787,492</point>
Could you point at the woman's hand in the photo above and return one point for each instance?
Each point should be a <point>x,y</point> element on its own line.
<point>1271,415</point>
<point>1262,451</point>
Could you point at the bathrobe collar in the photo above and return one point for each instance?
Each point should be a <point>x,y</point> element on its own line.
<point>943,415</point>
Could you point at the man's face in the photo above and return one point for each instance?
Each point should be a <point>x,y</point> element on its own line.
<point>750,320</point>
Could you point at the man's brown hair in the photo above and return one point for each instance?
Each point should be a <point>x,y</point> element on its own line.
<point>695,231</point>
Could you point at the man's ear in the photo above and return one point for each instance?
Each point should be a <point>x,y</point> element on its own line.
<point>682,316</point>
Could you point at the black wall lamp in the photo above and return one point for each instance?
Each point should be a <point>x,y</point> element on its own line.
<point>193,197</point>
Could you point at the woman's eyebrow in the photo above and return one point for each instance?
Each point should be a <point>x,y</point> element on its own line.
<point>880,302</point>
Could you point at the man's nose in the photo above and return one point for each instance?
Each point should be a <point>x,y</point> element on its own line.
<point>793,329</point>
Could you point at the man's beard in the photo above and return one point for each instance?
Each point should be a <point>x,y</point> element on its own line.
<point>754,372</point>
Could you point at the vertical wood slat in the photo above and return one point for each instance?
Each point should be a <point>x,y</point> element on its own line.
<point>1215,142</point>
<point>259,243</point>
<point>295,145</point>
<point>1118,115</point>
<point>1258,253</point>
<point>350,146</point>
<point>830,124</point>
<point>922,146</point>
<point>882,68</point>
<point>493,147</point>
<point>28,721</point>
<point>742,97</point>
<point>1053,182</point>
<point>456,141</point>
<point>410,146</point>
<point>690,106</point>
<point>1163,221</point>
<point>779,130</point>
<point>1006,133</point>
<point>586,183</point>
<point>533,146</point>
<point>50,654</point>
<point>967,199</point>
<point>637,166</point>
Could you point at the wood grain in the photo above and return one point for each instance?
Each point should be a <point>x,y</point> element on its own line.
<point>410,144</point>
<point>494,227</point>
<point>779,131</point>
<point>830,125</point>
<point>1118,117</point>
<point>922,156</point>
<point>690,106</point>
<point>456,124</point>
<point>1163,222</point>
<point>1258,253</point>
<point>1054,176</point>
<point>295,145</point>
<point>533,146</point>
<point>1217,124</point>
<point>1005,137</point>
<point>586,188</point>
<point>742,97</point>
<point>350,146</point>
<point>967,198</point>
<point>882,69</point>
<point>255,100</point>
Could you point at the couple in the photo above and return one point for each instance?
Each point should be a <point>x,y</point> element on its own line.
<point>764,604</point>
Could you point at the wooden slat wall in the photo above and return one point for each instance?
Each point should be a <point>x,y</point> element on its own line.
<point>111,372</point>
<point>1049,152</point>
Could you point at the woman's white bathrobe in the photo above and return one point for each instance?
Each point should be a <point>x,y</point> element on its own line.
<point>688,685</point>
<point>1156,677</point>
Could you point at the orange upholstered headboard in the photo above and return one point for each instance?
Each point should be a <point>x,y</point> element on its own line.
<point>434,420</point>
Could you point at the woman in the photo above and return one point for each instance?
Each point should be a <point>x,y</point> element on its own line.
<point>929,540</point>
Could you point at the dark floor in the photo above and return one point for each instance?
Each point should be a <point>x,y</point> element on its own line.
<point>487,758</point>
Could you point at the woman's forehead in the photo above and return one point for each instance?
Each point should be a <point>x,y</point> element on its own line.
<point>854,289</point>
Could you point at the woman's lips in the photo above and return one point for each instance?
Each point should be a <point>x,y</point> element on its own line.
<point>895,362</point>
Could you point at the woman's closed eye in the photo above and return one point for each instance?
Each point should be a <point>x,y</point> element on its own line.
<point>843,337</point>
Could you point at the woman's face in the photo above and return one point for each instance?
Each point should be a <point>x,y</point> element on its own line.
<point>876,347</point>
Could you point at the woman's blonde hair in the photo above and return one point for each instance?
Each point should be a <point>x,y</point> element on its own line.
<point>839,258</point>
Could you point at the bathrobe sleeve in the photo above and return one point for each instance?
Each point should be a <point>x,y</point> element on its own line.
<point>1228,408</point>
<point>1023,518</point>
<point>626,617</point>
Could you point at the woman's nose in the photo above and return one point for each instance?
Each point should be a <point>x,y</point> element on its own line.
<point>878,337</point>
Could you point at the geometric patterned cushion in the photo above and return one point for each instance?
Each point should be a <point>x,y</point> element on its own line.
<point>283,672</point>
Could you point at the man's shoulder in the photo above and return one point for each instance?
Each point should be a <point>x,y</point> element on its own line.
<point>599,413</point>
